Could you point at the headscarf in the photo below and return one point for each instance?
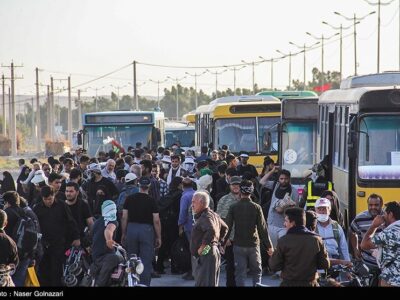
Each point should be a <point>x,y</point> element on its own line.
<point>109,211</point>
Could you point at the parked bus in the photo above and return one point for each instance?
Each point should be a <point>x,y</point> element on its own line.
<point>246,126</point>
<point>298,136</point>
<point>359,130</point>
<point>289,94</point>
<point>190,117</point>
<point>179,132</point>
<point>124,128</point>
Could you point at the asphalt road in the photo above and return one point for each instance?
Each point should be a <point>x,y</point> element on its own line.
<point>169,280</point>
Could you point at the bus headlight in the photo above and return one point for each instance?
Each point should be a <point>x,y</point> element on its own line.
<point>139,268</point>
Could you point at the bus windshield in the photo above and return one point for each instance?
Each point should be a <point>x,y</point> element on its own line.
<point>185,137</point>
<point>298,147</point>
<point>379,148</point>
<point>240,134</point>
<point>125,135</point>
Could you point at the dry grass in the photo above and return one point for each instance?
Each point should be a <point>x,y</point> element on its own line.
<point>8,163</point>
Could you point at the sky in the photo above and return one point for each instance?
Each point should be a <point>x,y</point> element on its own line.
<point>89,38</point>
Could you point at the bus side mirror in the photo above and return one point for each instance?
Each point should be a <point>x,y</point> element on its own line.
<point>352,144</point>
<point>79,137</point>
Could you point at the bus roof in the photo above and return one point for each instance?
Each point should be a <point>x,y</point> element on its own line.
<point>371,80</point>
<point>202,109</point>
<point>288,94</point>
<point>177,126</point>
<point>247,98</point>
<point>98,118</point>
<point>247,108</point>
<point>189,117</point>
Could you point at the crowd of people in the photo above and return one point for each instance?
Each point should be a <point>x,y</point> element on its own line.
<point>147,199</point>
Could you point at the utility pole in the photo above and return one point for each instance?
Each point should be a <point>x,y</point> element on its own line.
<point>379,4</point>
<point>51,116</point>
<point>234,77</point>
<point>13,120</point>
<point>38,124</point>
<point>177,93</point>
<point>33,120</point>
<point>158,89</point>
<point>4,106</point>
<point>135,96</point>
<point>305,48</point>
<point>69,112</point>
<point>79,110</point>
<point>195,75</point>
<point>216,73</point>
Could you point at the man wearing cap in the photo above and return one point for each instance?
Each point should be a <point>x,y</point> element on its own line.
<point>103,253</point>
<point>331,232</point>
<point>130,187</point>
<point>222,209</point>
<point>38,181</point>
<point>141,227</point>
<point>97,180</point>
<point>246,167</point>
<point>250,229</point>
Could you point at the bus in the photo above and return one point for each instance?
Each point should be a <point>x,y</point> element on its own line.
<point>289,94</point>
<point>247,126</point>
<point>184,133</point>
<point>298,137</point>
<point>123,127</point>
<point>190,117</point>
<point>359,130</point>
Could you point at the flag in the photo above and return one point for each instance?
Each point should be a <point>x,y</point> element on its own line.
<point>322,88</point>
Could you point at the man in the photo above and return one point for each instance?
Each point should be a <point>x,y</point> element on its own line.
<point>300,253</point>
<point>246,167</point>
<point>250,230</point>
<point>141,227</point>
<point>176,169</point>
<point>58,228</point>
<point>55,181</point>
<point>185,221</point>
<point>103,253</point>
<point>154,191</point>
<point>281,191</point>
<point>388,243</point>
<point>155,174</point>
<point>203,155</point>
<point>95,182</point>
<point>207,232</point>
<point>332,233</point>
<point>79,209</point>
<point>223,207</point>
<point>360,225</point>
<point>108,171</point>
<point>316,186</point>
<point>9,252</point>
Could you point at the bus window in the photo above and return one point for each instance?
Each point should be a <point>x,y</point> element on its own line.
<point>238,134</point>
<point>268,131</point>
<point>379,148</point>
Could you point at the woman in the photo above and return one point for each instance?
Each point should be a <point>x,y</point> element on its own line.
<point>7,184</point>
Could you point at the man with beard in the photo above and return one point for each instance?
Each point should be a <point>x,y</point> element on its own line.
<point>283,189</point>
<point>176,169</point>
<point>360,226</point>
<point>387,242</point>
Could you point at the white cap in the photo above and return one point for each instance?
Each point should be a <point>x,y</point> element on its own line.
<point>323,202</point>
<point>94,167</point>
<point>189,160</point>
<point>166,159</point>
<point>244,155</point>
<point>130,176</point>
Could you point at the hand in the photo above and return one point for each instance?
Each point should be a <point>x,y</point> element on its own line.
<point>200,250</point>
<point>228,243</point>
<point>221,249</point>
<point>270,251</point>
<point>346,263</point>
<point>378,221</point>
<point>357,253</point>
<point>76,243</point>
<point>157,243</point>
<point>110,244</point>
<point>180,230</point>
<point>123,240</point>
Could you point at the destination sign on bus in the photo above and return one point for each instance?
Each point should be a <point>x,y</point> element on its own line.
<point>119,119</point>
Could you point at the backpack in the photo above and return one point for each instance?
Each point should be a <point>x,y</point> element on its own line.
<point>180,254</point>
<point>26,234</point>
<point>336,234</point>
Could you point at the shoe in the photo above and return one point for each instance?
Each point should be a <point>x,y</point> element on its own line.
<point>156,275</point>
<point>188,276</point>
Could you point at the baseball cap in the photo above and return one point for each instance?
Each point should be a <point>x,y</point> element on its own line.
<point>323,202</point>
<point>130,177</point>
<point>235,180</point>
<point>144,181</point>
<point>244,155</point>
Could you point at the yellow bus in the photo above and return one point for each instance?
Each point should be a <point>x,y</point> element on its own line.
<point>246,126</point>
<point>359,130</point>
<point>190,117</point>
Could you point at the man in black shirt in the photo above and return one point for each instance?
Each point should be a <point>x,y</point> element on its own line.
<point>246,167</point>
<point>79,209</point>
<point>141,227</point>
<point>58,229</point>
<point>103,254</point>
<point>8,253</point>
